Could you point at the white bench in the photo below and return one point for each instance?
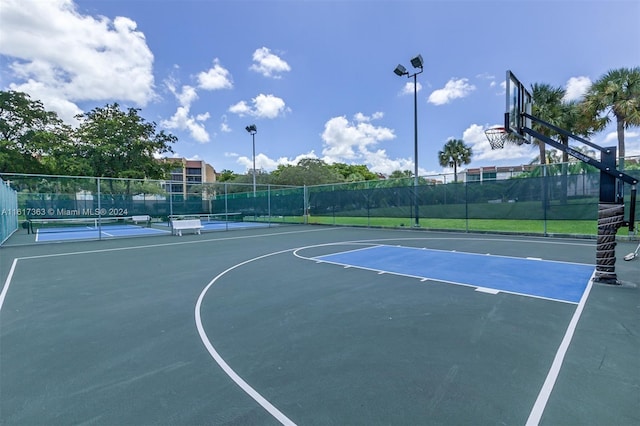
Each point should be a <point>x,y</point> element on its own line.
<point>179,225</point>
<point>145,218</point>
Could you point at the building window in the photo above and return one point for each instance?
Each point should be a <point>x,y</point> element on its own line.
<point>488,175</point>
<point>193,171</point>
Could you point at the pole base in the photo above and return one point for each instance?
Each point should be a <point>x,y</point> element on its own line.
<point>606,280</point>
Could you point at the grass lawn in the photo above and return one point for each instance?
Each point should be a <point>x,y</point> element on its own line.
<point>524,226</point>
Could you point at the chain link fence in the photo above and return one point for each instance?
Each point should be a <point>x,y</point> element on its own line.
<point>8,211</point>
<point>543,204</point>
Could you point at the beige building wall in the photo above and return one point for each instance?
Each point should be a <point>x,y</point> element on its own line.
<point>188,176</point>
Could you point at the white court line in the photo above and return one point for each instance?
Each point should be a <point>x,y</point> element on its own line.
<point>552,376</point>
<point>487,290</point>
<point>276,413</point>
<point>7,282</point>
<point>178,243</point>
<point>270,408</point>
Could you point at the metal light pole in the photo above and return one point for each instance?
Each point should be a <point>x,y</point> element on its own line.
<point>400,70</point>
<point>253,130</point>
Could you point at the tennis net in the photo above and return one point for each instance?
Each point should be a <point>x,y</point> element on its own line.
<point>81,224</point>
<point>212,218</point>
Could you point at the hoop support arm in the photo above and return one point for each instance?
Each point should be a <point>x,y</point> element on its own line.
<point>582,157</point>
<point>564,132</point>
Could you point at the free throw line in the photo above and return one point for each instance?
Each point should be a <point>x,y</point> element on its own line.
<point>552,376</point>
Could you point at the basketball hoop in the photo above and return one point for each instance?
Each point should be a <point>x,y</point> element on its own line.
<point>497,137</point>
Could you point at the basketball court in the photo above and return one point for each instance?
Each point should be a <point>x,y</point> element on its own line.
<point>303,324</point>
<point>317,325</point>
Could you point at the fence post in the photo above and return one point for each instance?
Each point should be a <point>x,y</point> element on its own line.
<point>99,210</point>
<point>545,198</point>
<point>269,204</point>
<point>305,205</point>
<point>466,204</point>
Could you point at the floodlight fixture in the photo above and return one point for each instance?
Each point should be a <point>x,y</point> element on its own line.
<point>400,70</point>
<point>252,129</point>
<point>417,62</point>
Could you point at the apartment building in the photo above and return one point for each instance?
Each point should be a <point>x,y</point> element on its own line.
<point>481,174</point>
<point>188,176</point>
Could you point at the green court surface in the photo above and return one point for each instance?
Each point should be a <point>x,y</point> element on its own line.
<point>305,325</point>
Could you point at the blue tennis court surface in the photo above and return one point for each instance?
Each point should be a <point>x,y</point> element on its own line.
<point>560,281</point>
<point>114,231</point>
<point>105,231</point>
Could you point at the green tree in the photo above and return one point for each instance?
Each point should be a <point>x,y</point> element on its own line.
<point>547,106</point>
<point>399,174</point>
<point>28,134</point>
<point>548,167</point>
<point>353,172</point>
<point>616,94</point>
<point>308,171</point>
<point>226,175</point>
<point>118,143</point>
<point>455,153</point>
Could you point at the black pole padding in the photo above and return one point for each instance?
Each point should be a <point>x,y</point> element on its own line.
<point>632,209</point>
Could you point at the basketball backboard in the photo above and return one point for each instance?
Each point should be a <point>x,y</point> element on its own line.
<point>519,102</point>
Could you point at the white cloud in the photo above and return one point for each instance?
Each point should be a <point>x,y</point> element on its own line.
<point>184,121</point>
<point>576,88</point>
<point>631,141</point>
<point>224,127</point>
<point>268,64</point>
<point>268,106</point>
<point>62,57</point>
<point>408,88</point>
<point>353,142</point>
<point>379,162</point>
<point>51,98</point>
<point>263,162</point>
<point>454,89</point>
<point>486,76</point>
<point>344,142</point>
<point>182,118</point>
<point>203,117</point>
<point>215,78</point>
<point>186,96</point>
<point>241,108</point>
<point>475,137</point>
<point>264,106</point>
<point>360,117</point>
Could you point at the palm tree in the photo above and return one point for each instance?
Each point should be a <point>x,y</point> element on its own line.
<point>547,106</point>
<point>455,153</point>
<point>616,93</point>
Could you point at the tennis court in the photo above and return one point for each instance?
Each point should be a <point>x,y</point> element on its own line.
<point>56,230</point>
<point>317,325</point>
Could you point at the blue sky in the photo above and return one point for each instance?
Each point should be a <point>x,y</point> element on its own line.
<point>315,77</point>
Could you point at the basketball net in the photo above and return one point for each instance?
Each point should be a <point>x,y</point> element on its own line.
<point>497,136</point>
